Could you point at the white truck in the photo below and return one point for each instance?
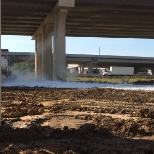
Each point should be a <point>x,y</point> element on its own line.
<point>119,70</point>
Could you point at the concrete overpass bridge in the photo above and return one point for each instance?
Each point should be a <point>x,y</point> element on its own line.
<point>49,21</point>
<point>89,61</point>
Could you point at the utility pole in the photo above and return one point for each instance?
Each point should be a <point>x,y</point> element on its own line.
<point>99,50</point>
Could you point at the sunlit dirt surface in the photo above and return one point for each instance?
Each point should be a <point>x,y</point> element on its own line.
<point>70,121</point>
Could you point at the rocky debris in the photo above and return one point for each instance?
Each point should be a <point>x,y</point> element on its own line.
<point>146,113</point>
<point>11,149</point>
<point>70,152</point>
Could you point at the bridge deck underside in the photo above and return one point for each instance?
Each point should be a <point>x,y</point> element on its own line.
<point>91,18</point>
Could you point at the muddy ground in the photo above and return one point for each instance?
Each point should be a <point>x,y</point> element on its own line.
<point>76,121</point>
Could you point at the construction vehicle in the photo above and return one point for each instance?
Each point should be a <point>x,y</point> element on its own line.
<point>5,69</point>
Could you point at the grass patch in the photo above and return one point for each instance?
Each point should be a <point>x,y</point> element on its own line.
<point>114,79</point>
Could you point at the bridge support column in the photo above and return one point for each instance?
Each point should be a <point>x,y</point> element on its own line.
<point>47,52</point>
<point>82,70</point>
<point>51,33</point>
<point>136,69</point>
<point>152,70</point>
<point>90,69</point>
<point>39,57</point>
<point>59,56</point>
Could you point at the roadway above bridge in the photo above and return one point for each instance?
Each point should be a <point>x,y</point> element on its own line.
<point>97,18</point>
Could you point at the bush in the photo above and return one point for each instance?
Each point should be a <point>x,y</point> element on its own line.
<point>24,67</point>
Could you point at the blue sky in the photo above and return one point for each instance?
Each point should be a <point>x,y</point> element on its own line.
<point>74,45</point>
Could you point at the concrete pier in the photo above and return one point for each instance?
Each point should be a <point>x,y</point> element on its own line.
<point>50,58</point>
<point>47,53</point>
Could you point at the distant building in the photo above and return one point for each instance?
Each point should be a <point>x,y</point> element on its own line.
<point>5,50</point>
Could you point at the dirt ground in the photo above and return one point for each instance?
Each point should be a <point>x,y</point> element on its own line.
<point>76,121</point>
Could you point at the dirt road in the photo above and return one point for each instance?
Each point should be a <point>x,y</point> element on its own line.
<point>70,121</point>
